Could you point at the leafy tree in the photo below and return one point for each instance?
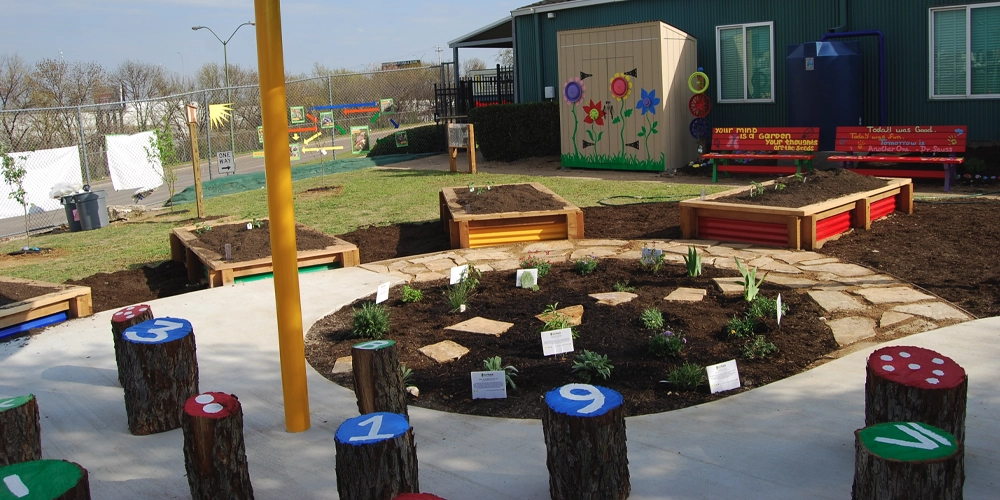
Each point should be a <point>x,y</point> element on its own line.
<point>13,175</point>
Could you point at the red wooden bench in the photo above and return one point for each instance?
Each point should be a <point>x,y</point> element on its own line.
<point>902,144</point>
<point>756,143</point>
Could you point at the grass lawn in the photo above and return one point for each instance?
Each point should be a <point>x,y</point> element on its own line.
<point>373,196</point>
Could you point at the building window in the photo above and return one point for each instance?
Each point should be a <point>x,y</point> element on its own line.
<point>745,56</point>
<point>965,51</point>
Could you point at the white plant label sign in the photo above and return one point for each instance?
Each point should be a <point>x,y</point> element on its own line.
<point>723,376</point>
<point>489,385</point>
<point>457,273</point>
<point>557,341</point>
<point>522,272</point>
<point>650,256</point>
<point>382,294</point>
<point>779,309</point>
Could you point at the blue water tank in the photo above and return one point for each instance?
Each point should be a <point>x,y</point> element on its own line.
<point>823,85</point>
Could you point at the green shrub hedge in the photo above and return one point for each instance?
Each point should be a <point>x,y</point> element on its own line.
<point>423,139</point>
<point>507,132</point>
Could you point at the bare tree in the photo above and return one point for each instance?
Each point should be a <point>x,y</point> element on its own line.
<point>15,95</point>
<point>61,84</point>
<point>472,64</point>
<point>141,81</point>
<point>505,57</point>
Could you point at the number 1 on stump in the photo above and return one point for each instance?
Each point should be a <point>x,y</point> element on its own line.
<point>376,457</point>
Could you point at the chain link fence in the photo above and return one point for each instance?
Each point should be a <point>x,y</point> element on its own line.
<point>323,111</point>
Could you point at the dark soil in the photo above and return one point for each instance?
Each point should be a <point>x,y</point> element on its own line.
<point>505,198</point>
<point>254,242</point>
<point>614,331</point>
<point>813,187</point>
<point>11,292</point>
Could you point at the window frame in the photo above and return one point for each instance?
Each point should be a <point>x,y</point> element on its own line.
<point>968,52</point>
<point>746,74</point>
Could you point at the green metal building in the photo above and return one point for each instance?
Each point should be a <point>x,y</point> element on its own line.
<point>941,64</point>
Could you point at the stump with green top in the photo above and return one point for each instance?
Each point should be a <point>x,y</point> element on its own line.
<point>44,480</point>
<point>378,381</point>
<point>20,432</point>
<point>907,460</point>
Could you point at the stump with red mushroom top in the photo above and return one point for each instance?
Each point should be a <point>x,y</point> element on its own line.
<point>907,461</point>
<point>586,454</point>
<point>913,384</point>
<point>20,432</point>
<point>121,321</point>
<point>214,452</point>
<point>378,381</point>
<point>160,373</point>
<point>376,457</point>
<point>44,480</point>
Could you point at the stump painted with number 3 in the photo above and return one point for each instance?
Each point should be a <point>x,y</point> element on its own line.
<point>587,458</point>
<point>376,457</point>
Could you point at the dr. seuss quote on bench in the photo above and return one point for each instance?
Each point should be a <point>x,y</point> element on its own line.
<point>776,139</point>
<point>910,139</point>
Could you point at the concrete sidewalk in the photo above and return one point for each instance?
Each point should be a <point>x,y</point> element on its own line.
<point>789,439</point>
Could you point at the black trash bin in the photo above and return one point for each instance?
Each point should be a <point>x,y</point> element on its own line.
<point>72,214</point>
<point>93,209</point>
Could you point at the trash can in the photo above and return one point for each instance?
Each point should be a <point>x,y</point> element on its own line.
<point>72,214</point>
<point>93,209</point>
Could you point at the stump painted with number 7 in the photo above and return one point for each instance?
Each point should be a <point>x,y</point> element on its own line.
<point>376,457</point>
<point>587,457</point>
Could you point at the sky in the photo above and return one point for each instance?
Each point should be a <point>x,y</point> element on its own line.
<point>335,33</point>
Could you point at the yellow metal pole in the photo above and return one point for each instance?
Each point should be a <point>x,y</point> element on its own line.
<point>278,168</point>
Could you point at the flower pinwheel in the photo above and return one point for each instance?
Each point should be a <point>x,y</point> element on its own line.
<point>594,113</point>
<point>621,86</point>
<point>648,102</point>
<point>573,91</point>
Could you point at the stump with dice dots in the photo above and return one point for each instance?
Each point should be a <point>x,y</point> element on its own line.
<point>214,452</point>
<point>20,432</point>
<point>913,384</point>
<point>121,321</point>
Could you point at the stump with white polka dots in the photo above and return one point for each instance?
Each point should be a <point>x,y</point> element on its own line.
<point>913,384</point>
<point>214,452</point>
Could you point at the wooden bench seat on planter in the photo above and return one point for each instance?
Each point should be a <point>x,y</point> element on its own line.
<point>930,144</point>
<point>796,144</point>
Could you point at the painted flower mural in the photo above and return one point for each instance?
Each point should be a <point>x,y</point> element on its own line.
<point>621,86</point>
<point>648,102</point>
<point>593,114</point>
<point>573,93</point>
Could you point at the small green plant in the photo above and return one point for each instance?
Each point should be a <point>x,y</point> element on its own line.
<point>589,365</point>
<point>536,262</point>
<point>751,287</point>
<point>765,307</point>
<point>693,262</point>
<point>759,347</point>
<point>652,318</point>
<point>623,286</point>
<point>162,148</point>
<point>407,375</point>
<point>756,189</point>
<point>779,186</point>
<point>202,228</point>
<point>687,377</point>
<point>666,344</point>
<point>494,365</point>
<point>555,320</point>
<point>741,327</point>
<point>371,321</point>
<point>652,260</point>
<point>14,175</point>
<point>798,177</point>
<point>459,293</point>
<point>412,294</point>
<point>586,265</point>
<point>256,223</point>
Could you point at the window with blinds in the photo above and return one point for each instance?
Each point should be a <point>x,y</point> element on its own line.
<point>745,62</point>
<point>965,51</point>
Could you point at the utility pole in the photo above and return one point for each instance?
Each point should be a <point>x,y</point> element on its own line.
<point>439,49</point>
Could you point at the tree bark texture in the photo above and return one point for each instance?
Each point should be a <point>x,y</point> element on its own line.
<point>903,394</point>
<point>378,381</point>
<point>214,451</point>
<point>159,378</point>
<point>877,478</point>
<point>120,321</point>
<point>50,479</point>
<point>20,432</point>
<point>379,470</point>
<point>417,496</point>
<point>587,457</point>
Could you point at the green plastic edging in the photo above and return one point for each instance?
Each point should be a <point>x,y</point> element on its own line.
<point>302,270</point>
<point>908,441</point>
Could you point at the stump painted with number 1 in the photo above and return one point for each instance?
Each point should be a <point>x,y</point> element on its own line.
<point>20,431</point>
<point>376,457</point>
<point>215,456</point>
<point>587,458</point>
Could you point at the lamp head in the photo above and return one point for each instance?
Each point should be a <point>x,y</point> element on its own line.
<point>196,28</point>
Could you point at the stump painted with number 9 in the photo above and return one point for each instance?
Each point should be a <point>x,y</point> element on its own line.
<point>587,458</point>
<point>44,480</point>
<point>376,457</point>
<point>160,373</point>
<point>214,452</point>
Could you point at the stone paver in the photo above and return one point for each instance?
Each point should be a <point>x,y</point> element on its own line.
<point>796,257</point>
<point>574,315</point>
<point>414,270</point>
<point>396,266</point>
<point>872,280</point>
<point>378,268</point>
<point>933,310</point>
<point>429,276</point>
<point>478,255</point>
<point>852,329</point>
<point>593,252</point>
<point>344,364</point>
<point>891,295</point>
<point>444,351</point>
<point>730,286</point>
<point>629,255</point>
<point>440,265</point>
<point>791,282</point>
<point>481,326</point>
<point>836,301</point>
<point>433,257</point>
<point>817,262</point>
<point>686,295</point>
<point>780,267</point>
<point>613,298</point>
<point>506,265</point>
<point>847,270</point>
<point>918,326</point>
<point>548,246</point>
<point>602,243</point>
<point>890,318</point>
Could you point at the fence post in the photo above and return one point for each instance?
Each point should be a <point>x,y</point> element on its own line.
<point>83,144</point>
<point>208,135</point>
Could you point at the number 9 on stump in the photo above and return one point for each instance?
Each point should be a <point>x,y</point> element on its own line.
<point>584,427</point>
<point>376,457</point>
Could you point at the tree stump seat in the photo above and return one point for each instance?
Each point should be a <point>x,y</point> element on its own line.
<point>45,480</point>
<point>121,321</point>
<point>376,457</point>
<point>214,451</point>
<point>907,461</point>
<point>378,381</point>
<point>20,431</point>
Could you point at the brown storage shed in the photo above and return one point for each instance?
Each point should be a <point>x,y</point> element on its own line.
<point>625,95</point>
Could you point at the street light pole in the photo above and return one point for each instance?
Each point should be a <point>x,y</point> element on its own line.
<point>225,66</point>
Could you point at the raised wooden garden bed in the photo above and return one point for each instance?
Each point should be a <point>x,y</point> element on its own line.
<point>71,299</point>
<point>208,266</point>
<point>805,227</point>
<point>480,230</point>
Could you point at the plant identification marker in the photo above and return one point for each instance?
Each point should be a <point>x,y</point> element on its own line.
<point>226,162</point>
<point>650,256</point>
<point>779,309</point>
<point>457,273</point>
<point>557,341</point>
<point>533,273</point>
<point>723,376</point>
<point>382,294</point>
<point>489,385</point>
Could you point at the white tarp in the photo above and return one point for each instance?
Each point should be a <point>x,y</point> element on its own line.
<point>43,169</point>
<point>134,162</point>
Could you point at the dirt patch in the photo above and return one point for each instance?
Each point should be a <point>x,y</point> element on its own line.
<point>505,198</point>
<point>813,187</point>
<point>319,192</point>
<point>12,292</point>
<point>252,240</point>
<point>141,284</point>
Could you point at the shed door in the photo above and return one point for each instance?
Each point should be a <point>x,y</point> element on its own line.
<point>606,139</point>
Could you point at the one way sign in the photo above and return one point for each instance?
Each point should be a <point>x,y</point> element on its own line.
<point>226,162</point>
